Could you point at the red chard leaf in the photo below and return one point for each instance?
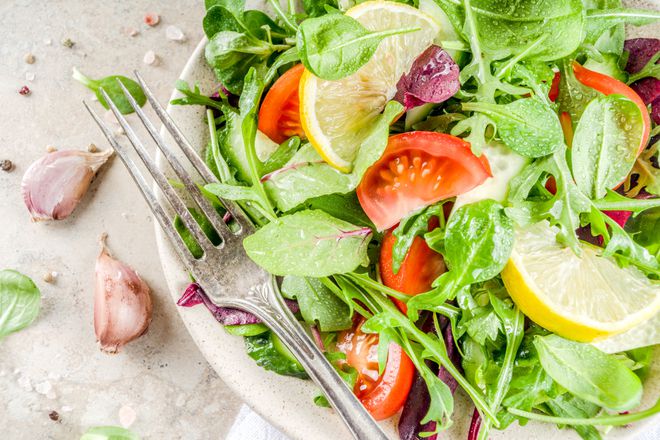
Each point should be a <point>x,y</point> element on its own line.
<point>433,78</point>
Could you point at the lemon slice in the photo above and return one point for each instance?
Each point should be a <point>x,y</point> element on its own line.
<point>583,298</point>
<point>336,114</point>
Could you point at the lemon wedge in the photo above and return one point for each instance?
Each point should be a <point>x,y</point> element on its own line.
<point>335,115</point>
<point>586,298</point>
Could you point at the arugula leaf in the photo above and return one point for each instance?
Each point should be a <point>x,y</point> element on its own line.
<point>309,244</point>
<point>605,144</point>
<point>281,156</point>
<point>110,84</point>
<point>342,206</point>
<point>194,96</point>
<point>318,305</point>
<point>589,373</point>
<point>334,46</point>
<point>599,20</point>
<point>566,405</point>
<point>528,126</point>
<point>19,302</point>
<point>109,433</point>
<point>307,176</point>
<point>478,242</point>
<point>413,226</point>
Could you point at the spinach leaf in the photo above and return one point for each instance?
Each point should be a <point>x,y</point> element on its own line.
<point>109,433</point>
<point>334,46</point>
<point>231,54</point>
<point>270,353</point>
<point>19,302</point>
<point>589,373</point>
<point>218,19</point>
<point>318,305</point>
<point>307,176</point>
<point>528,126</point>
<point>411,227</point>
<point>111,86</point>
<point>477,244</point>
<point>605,144</point>
<point>309,244</point>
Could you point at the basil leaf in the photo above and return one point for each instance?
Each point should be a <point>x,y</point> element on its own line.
<point>528,126</point>
<point>309,244</point>
<point>109,433</point>
<point>589,373</point>
<point>605,144</point>
<point>110,84</point>
<point>334,46</point>
<point>19,301</point>
<point>318,305</point>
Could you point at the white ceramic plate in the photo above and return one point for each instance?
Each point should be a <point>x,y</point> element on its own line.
<point>287,402</point>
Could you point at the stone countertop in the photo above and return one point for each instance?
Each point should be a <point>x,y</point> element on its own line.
<point>55,364</point>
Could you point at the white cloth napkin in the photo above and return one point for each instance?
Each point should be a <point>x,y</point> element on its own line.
<point>249,425</point>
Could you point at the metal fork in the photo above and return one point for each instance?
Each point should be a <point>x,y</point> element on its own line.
<point>225,272</point>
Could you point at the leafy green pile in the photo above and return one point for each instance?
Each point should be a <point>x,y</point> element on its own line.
<point>314,233</point>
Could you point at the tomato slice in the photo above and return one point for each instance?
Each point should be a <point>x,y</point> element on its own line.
<point>420,267</point>
<point>279,115</point>
<point>382,395</point>
<point>418,169</point>
<point>609,86</point>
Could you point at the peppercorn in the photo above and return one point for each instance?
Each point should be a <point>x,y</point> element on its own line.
<point>6,165</point>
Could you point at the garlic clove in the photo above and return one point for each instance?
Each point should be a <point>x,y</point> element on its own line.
<point>122,303</point>
<point>53,185</point>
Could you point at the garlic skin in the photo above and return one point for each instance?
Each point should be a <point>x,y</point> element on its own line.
<point>122,303</point>
<point>54,185</point>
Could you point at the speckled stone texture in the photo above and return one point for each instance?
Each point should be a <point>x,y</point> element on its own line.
<point>55,365</point>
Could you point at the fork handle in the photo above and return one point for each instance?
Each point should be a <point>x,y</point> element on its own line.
<point>269,306</point>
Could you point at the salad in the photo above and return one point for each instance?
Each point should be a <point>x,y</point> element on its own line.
<point>454,193</point>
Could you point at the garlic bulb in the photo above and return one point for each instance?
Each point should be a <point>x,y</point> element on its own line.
<point>122,303</point>
<point>53,185</point>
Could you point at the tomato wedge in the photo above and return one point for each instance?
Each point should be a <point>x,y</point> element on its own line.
<point>417,169</point>
<point>279,116</point>
<point>420,267</point>
<point>609,86</point>
<point>382,395</point>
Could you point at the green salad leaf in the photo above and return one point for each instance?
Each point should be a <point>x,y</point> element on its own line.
<point>605,144</point>
<point>110,84</point>
<point>109,433</point>
<point>334,46</point>
<point>528,126</point>
<point>318,305</point>
<point>19,302</point>
<point>589,373</point>
<point>270,353</point>
<point>309,244</point>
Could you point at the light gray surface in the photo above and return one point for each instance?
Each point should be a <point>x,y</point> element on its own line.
<point>162,376</point>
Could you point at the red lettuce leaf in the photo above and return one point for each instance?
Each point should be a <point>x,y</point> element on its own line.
<point>195,295</point>
<point>433,78</point>
<point>640,51</point>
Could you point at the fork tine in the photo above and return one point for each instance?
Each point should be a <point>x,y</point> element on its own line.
<point>217,222</point>
<point>163,219</point>
<point>191,154</point>
<point>160,179</point>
